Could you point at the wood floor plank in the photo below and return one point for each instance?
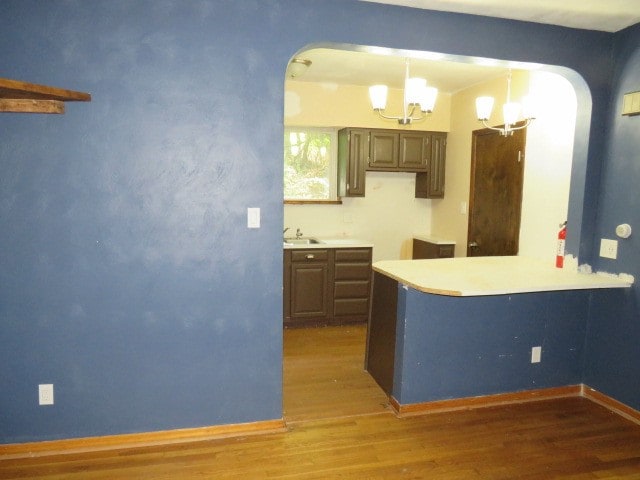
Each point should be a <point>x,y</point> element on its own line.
<point>567,438</point>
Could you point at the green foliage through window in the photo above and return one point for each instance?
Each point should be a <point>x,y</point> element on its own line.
<point>308,165</point>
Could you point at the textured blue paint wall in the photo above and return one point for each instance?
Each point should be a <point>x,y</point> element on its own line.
<point>613,353</point>
<point>471,346</point>
<point>128,277</point>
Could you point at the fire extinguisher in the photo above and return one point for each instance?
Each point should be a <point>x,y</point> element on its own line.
<point>562,236</point>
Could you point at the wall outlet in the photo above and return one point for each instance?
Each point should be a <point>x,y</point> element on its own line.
<point>536,354</point>
<point>45,394</point>
<point>608,248</point>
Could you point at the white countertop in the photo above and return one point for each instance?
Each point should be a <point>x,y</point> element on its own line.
<point>474,276</point>
<point>332,243</point>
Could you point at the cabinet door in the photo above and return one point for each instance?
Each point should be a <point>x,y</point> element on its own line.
<point>353,154</point>
<point>415,150</point>
<point>437,164</point>
<point>383,150</point>
<point>309,288</point>
<point>430,184</point>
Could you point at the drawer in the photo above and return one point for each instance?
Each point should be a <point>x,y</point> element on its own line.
<point>352,289</point>
<point>352,271</point>
<point>351,254</point>
<point>351,306</point>
<point>311,255</point>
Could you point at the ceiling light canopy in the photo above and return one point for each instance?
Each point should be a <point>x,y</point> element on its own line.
<point>418,99</point>
<point>511,112</point>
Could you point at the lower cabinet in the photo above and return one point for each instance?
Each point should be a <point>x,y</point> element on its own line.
<point>423,249</point>
<point>326,286</point>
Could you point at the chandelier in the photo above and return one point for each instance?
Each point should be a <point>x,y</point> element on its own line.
<point>511,112</point>
<point>418,99</point>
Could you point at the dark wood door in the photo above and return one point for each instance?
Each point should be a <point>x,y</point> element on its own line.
<point>309,289</point>
<point>436,165</point>
<point>415,150</point>
<point>353,154</point>
<point>495,201</point>
<point>383,150</point>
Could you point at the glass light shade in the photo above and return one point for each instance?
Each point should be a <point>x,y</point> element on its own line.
<point>378,96</point>
<point>428,100</point>
<point>528,108</point>
<point>511,112</point>
<point>484,105</point>
<point>413,89</point>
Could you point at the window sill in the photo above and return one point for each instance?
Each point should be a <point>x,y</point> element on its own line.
<point>313,202</point>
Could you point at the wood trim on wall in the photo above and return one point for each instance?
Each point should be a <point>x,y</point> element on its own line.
<point>469,403</point>
<point>615,406</point>
<point>581,390</point>
<point>145,439</point>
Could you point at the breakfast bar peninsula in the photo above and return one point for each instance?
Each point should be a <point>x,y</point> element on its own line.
<point>457,328</point>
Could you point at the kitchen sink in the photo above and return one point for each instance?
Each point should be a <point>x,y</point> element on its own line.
<point>301,241</point>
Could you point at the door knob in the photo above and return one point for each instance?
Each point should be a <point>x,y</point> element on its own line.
<point>473,245</point>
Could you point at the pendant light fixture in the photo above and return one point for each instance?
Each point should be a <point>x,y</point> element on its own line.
<point>511,112</point>
<point>418,99</point>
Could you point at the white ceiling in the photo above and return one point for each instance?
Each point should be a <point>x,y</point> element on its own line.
<point>604,15</point>
<point>372,66</point>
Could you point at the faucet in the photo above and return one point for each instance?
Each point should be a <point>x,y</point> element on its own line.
<point>298,233</point>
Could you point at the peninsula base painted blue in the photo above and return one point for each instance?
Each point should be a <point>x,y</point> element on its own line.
<point>456,347</point>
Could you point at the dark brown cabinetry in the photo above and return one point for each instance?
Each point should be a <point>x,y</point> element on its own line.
<point>326,286</point>
<point>361,150</point>
<point>383,150</point>
<point>308,287</point>
<point>352,282</point>
<point>430,184</point>
<point>393,150</point>
<point>424,249</point>
<point>353,154</point>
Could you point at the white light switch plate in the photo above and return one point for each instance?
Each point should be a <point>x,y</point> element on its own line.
<point>253,218</point>
<point>536,354</point>
<point>608,248</point>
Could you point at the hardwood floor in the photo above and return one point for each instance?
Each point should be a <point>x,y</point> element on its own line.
<point>571,438</point>
<point>324,377</point>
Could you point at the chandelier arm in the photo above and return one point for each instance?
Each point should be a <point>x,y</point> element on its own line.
<point>388,117</point>
<point>484,122</point>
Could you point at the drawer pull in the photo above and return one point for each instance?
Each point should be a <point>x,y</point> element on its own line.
<point>309,256</point>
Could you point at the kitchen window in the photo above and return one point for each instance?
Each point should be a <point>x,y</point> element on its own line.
<point>310,163</point>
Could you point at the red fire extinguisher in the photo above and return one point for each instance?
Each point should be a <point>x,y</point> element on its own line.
<point>562,236</point>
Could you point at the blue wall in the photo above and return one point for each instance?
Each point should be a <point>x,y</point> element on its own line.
<point>455,347</point>
<point>613,353</point>
<point>128,277</point>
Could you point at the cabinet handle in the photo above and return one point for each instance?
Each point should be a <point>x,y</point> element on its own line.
<point>309,256</point>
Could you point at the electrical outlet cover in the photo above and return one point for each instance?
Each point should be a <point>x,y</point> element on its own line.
<point>45,394</point>
<point>608,248</point>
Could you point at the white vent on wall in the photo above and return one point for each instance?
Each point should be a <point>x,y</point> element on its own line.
<point>631,103</point>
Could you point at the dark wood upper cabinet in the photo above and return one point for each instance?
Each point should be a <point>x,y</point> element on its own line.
<point>361,150</point>
<point>415,151</point>
<point>383,150</point>
<point>430,184</point>
<point>353,155</point>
